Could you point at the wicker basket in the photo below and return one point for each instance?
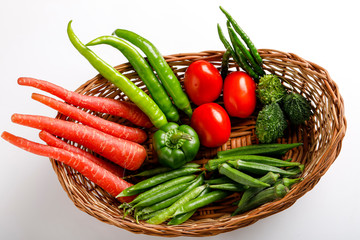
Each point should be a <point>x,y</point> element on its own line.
<point>322,137</point>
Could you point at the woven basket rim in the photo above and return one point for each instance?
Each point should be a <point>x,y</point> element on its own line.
<point>208,227</point>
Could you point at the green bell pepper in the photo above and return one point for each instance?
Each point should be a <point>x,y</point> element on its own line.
<point>175,145</point>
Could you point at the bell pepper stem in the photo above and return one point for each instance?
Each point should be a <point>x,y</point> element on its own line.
<point>174,138</point>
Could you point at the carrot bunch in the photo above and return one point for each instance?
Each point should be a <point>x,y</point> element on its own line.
<point>117,143</point>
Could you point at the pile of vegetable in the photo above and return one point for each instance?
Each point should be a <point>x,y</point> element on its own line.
<point>175,195</point>
<point>174,189</point>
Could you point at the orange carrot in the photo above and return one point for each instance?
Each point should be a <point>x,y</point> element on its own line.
<point>125,153</point>
<point>53,141</point>
<point>114,107</point>
<point>112,128</point>
<point>100,176</point>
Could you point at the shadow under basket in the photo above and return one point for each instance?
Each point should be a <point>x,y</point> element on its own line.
<point>321,136</point>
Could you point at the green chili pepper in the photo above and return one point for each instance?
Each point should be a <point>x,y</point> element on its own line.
<point>155,180</point>
<point>243,62</point>
<point>240,177</point>
<point>244,36</point>
<point>175,145</point>
<point>145,73</point>
<point>165,73</point>
<point>245,52</point>
<point>227,46</point>
<point>135,94</point>
<point>225,64</point>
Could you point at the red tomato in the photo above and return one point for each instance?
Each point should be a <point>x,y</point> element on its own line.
<point>239,94</point>
<point>202,82</point>
<point>212,124</point>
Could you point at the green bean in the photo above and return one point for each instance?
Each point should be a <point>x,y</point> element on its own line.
<point>168,202</point>
<point>157,179</point>
<point>162,68</point>
<point>135,94</point>
<point>149,215</point>
<point>161,187</point>
<point>240,177</point>
<point>245,52</point>
<point>145,73</point>
<point>201,201</point>
<point>257,168</point>
<point>169,212</point>
<point>270,178</point>
<point>162,195</point>
<point>180,218</point>
<point>158,170</point>
<point>225,64</point>
<point>244,36</point>
<point>233,187</point>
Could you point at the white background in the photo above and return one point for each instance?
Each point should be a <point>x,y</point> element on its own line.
<point>34,43</point>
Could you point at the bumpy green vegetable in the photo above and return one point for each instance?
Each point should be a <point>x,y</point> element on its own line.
<point>270,123</point>
<point>297,108</point>
<point>270,89</point>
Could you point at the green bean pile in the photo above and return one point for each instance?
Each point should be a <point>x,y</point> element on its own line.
<point>174,195</point>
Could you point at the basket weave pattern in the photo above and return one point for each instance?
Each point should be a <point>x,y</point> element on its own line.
<point>322,137</point>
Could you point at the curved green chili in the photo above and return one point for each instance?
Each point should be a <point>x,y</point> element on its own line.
<point>244,36</point>
<point>245,52</point>
<point>145,73</point>
<point>135,94</point>
<point>225,64</point>
<point>227,45</point>
<point>165,73</point>
<point>243,62</point>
